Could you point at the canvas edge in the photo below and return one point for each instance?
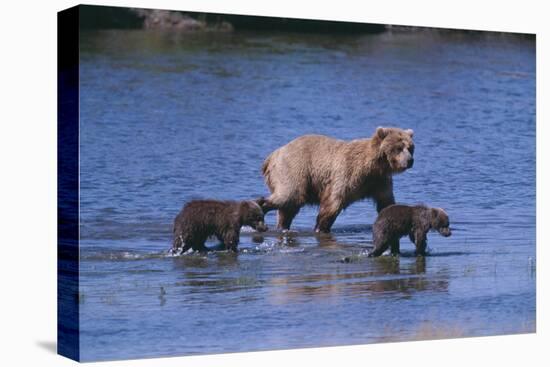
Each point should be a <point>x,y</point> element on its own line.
<point>68,321</point>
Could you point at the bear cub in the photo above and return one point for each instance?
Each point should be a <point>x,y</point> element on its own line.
<point>397,221</point>
<point>200,219</point>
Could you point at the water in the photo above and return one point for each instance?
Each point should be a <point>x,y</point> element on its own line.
<point>166,118</point>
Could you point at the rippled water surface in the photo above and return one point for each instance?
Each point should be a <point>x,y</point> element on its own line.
<point>169,117</point>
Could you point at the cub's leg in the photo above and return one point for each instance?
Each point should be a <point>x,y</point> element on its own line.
<point>381,244</point>
<point>420,242</point>
<point>394,246</point>
<point>196,242</point>
<point>231,239</point>
<point>181,244</point>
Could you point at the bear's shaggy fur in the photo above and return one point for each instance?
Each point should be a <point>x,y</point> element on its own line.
<point>316,169</point>
<point>200,219</point>
<point>397,221</point>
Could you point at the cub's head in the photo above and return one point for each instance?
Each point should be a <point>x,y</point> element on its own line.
<point>440,221</point>
<point>397,146</point>
<point>251,214</point>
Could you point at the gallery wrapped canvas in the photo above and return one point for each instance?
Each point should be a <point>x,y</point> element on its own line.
<point>220,177</point>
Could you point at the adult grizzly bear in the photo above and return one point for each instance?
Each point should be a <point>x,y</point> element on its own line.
<point>316,169</point>
<point>397,221</point>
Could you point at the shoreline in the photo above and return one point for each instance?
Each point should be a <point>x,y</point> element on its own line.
<point>110,17</point>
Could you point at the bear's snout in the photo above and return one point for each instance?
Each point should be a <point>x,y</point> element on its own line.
<point>260,226</point>
<point>446,231</point>
<point>410,162</point>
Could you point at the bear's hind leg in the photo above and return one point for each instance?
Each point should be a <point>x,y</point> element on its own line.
<point>285,216</point>
<point>394,246</point>
<point>180,244</point>
<point>197,243</point>
<point>379,248</point>
<point>181,249</point>
<point>177,243</point>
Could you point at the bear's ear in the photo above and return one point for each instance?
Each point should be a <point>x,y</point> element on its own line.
<point>435,212</point>
<point>381,132</point>
<point>410,132</point>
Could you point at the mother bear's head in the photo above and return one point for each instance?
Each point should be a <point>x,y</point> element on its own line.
<point>396,146</point>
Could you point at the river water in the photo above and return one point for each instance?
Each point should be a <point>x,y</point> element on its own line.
<point>167,117</point>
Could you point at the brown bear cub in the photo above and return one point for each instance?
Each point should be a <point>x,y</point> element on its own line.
<point>397,221</point>
<point>332,173</point>
<point>200,219</point>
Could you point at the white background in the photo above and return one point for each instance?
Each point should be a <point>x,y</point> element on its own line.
<point>28,182</point>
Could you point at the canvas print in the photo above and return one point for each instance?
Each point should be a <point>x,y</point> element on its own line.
<point>235,183</point>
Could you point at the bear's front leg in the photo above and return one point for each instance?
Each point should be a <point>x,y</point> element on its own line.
<point>420,242</point>
<point>329,208</point>
<point>383,197</point>
<point>231,240</point>
<point>325,220</point>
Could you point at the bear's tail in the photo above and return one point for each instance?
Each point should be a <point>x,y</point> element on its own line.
<point>266,171</point>
<point>265,166</point>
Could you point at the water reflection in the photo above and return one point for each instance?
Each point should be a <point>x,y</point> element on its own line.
<point>374,277</point>
<point>162,296</point>
<point>288,238</point>
<point>220,259</point>
<point>185,262</point>
<point>223,272</point>
<point>326,240</point>
<point>385,277</point>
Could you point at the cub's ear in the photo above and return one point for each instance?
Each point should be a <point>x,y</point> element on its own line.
<point>410,132</point>
<point>381,132</point>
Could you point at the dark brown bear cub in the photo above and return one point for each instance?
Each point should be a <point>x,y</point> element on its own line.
<point>200,219</point>
<point>397,221</point>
